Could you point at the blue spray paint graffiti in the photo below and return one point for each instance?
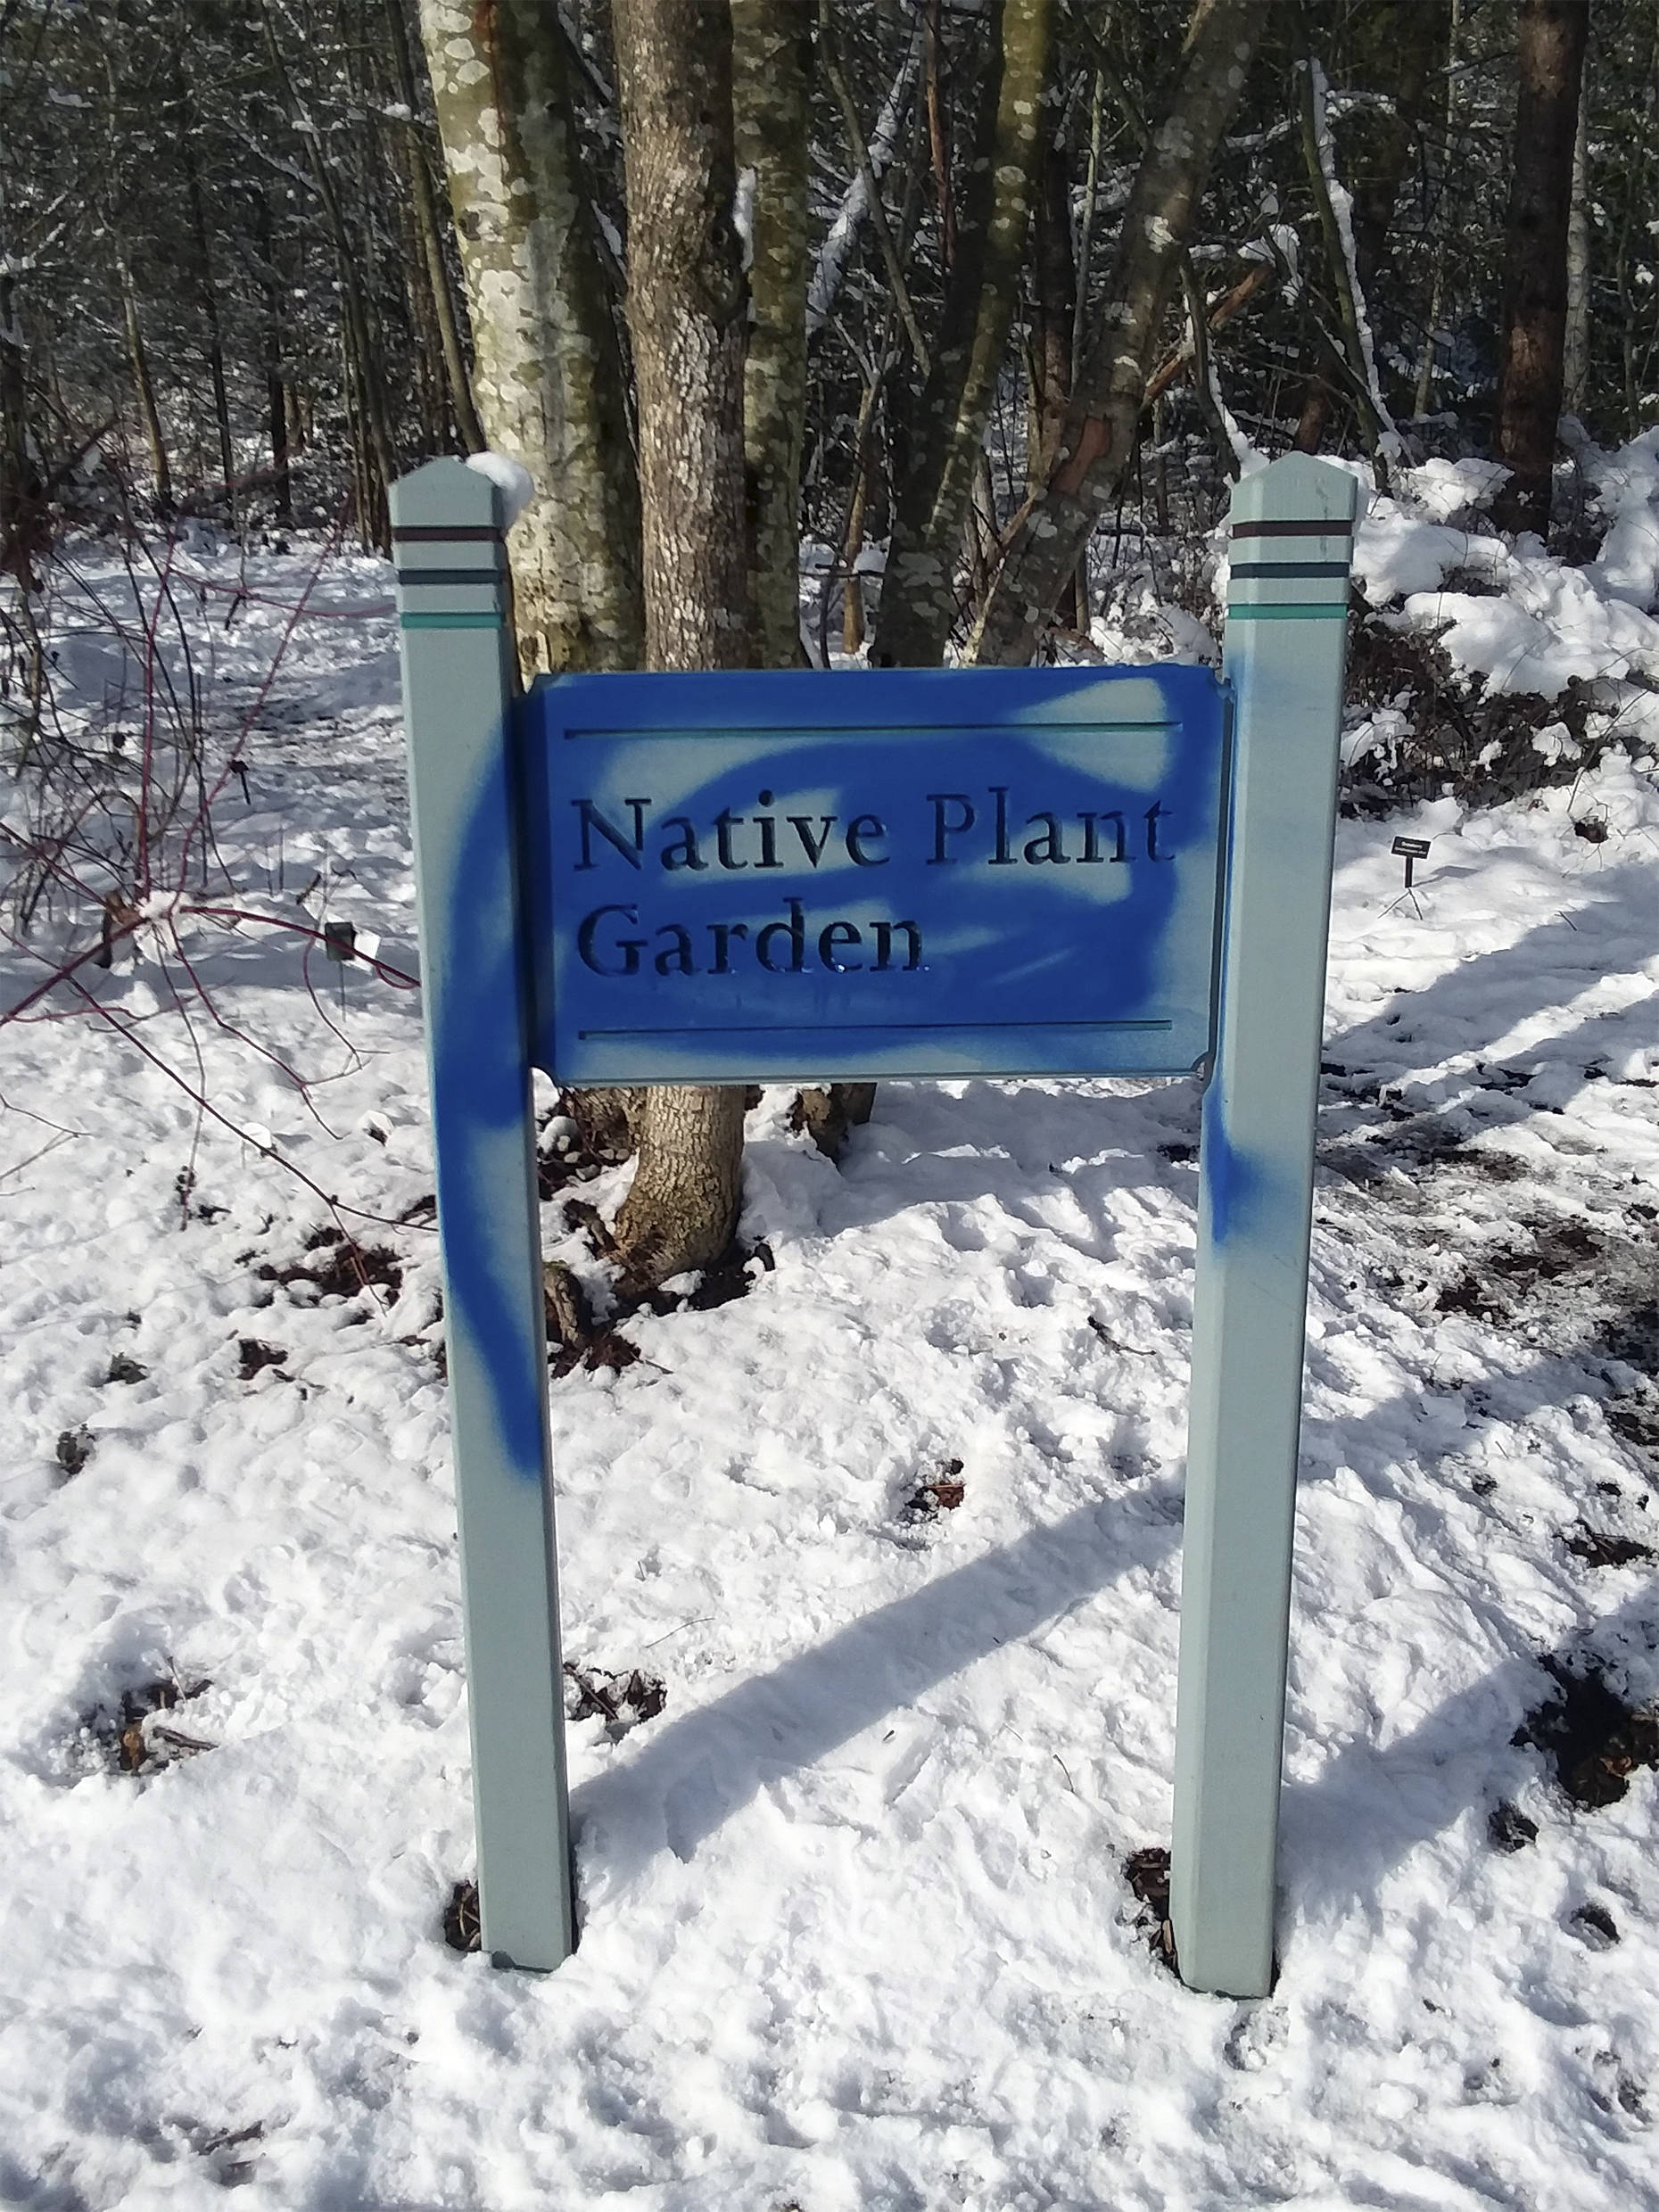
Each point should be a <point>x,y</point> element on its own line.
<point>481,1099</point>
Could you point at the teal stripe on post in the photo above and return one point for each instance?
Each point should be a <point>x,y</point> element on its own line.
<point>1284,660</point>
<point>449,622</point>
<point>1294,611</point>
<point>457,692</point>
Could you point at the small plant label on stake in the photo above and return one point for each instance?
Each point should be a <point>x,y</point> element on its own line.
<point>767,875</point>
<point>1410,850</point>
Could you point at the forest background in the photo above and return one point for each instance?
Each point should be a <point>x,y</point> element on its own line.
<point>886,327</point>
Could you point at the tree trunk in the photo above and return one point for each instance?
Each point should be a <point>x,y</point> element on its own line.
<point>425,206</point>
<point>208,289</point>
<point>24,534</point>
<point>938,136</point>
<point>144,383</point>
<point>276,392</point>
<point>548,376</point>
<point>1053,315</point>
<point>374,435</point>
<point>1053,307</point>
<point>1553,35</point>
<point>688,305</point>
<point>1424,389</point>
<point>770,59</point>
<point>771,47</point>
<point>1399,49</point>
<point>1334,207</point>
<point>1576,345</point>
<point>918,595</point>
<point>868,172</point>
<point>1097,448</point>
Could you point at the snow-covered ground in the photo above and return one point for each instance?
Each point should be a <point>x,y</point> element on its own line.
<point>856,1929</point>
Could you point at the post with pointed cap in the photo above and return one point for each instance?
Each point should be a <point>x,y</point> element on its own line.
<point>1291,544</point>
<point>458,691</point>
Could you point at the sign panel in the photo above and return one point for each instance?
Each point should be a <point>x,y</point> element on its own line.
<point>910,872</point>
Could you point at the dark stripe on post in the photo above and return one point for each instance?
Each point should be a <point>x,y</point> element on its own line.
<point>1263,568</point>
<point>440,533</point>
<point>1288,530</point>
<point>480,574</point>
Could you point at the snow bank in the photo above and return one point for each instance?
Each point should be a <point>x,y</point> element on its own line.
<point>1533,623</point>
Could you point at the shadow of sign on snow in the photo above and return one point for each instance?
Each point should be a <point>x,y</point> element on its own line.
<point>697,1771</point>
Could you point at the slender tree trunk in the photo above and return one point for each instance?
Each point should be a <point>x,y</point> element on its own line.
<point>1398,50</point>
<point>770,59</point>
<point>144,386</point>
<point>868,168</point>
<point>1553,35</point>
<point>1097,449</point>
<point>688,305</point>
<point>548,375</point>
<point>445,307</point>
<point>376,435</point>
<point>275,391</point>
<point>918,595</point>
<point>853,536</point>
<point>208,289</point>
<point>1424,389</point>
<point>771,47</point>
<point>1575,347</point>
<point>1334,205</point>
<point>23,532</point>
<point>1053,315</point>
<point>938,135</point>
<point>1053,306</point>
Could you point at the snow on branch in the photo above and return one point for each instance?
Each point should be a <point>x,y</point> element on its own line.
<point>838,245</point>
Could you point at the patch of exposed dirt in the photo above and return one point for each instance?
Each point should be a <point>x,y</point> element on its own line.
<point>340,1268</point>
<point>1601,1547</point>
<point>131,1738</point>
<point>1592,1738</point>
<point>942,1494</point>
<point>1147,1873</point>
<point>1509,1828</point>
<point>621,1701</point>
<point>462,1928</point>
<point>74,1449</point>
<point>254,1357</point>
<point>1593,1923</point>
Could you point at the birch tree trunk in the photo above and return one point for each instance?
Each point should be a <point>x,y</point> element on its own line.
<point>1553,35</point>
<point>1097,445</point>
<point>918,595</point>
<point>688,305</point>
<point>548,381</point>
<point>1576,345</point>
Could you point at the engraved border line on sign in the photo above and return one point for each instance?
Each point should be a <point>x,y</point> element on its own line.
<point>823,1028</point>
